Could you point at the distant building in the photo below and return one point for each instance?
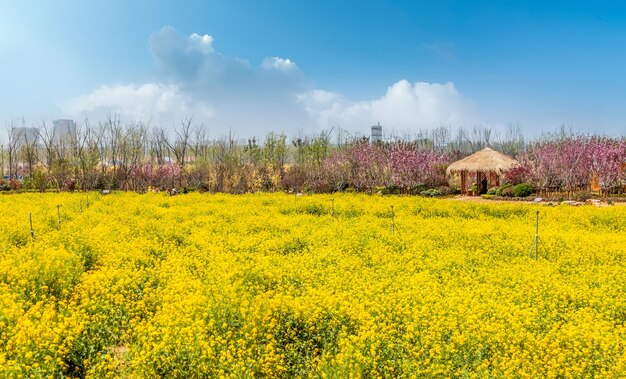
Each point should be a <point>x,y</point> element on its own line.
<point>377,133</point>
<point>24,137</point>
<point>64,130</point>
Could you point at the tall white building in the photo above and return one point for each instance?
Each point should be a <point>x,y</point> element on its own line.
<point>64,130</point>
<point>377,133</point>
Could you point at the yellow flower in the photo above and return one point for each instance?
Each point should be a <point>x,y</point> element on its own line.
<point>238,286</point>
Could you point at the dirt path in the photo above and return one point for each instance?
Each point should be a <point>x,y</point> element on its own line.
<point>478,199</point>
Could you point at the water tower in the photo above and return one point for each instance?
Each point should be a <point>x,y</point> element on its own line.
<point>377,133</point>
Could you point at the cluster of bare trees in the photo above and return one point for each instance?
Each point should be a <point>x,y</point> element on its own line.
<point>464,141</point>
<point>112,155</point>
<point>91,156</point>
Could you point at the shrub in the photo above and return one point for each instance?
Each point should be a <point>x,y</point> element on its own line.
<point>583,196</point>
<point>295,178</point>
<point>11,185</point>
<point>504,190</point>
<point>517,175</point>
<point>433,192</point>
<point>203,187</point>
<point>522,190</point>
<point>492,191</point>
<point>71,185</point>
<point>391,190</point>
<point>446,191</point>
<point>507,191</point>
<point>39,180</point>
<point>417,189</point>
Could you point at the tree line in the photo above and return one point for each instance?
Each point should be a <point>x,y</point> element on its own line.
<point>135,157</point>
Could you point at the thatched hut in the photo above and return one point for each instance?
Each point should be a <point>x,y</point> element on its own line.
<point>483,169</point>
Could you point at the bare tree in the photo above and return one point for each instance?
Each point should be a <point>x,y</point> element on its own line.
<point>48,139</point>
<point>12,150</point>
<point>200,145</point>
<point>115,138</point>
<point>441,137</point>
<point>87,155</point>
<point>274,157</point>
<point>159,146</point>
<point>1,161</point>
<point>131,152</point>
<point>228,161</point>
<point>181,143</point>
<point>512,143</point>
<point>29,151</point>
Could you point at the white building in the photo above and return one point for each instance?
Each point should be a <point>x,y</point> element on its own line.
<point>377,133</point>
<point>64,130</point>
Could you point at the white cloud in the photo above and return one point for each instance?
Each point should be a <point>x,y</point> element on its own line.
<point>404,107</point>
<point>323,106</point>
<point>225,92</point>
<point>204,43</point>
<point>152,101</point>
<point>280,64</point>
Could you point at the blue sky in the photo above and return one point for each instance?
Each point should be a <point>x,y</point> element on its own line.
<point>303,66</point>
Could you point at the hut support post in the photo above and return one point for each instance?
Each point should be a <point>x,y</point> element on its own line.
<point>477,182</point>
<point>464,182</point>
<point>493,179</point>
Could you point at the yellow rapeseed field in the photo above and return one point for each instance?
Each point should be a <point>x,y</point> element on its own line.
<point>275,285</point>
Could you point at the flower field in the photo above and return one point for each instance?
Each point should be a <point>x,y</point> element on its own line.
<point>276,285</point>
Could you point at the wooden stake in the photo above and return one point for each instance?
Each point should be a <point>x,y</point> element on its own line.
<point>393,223</point>
<point>537,235</point>
<point>32,232</point>
<point>59,216</point>
<point>535,245</point>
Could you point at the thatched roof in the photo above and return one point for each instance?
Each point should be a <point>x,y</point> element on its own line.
<point>484,160</point>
